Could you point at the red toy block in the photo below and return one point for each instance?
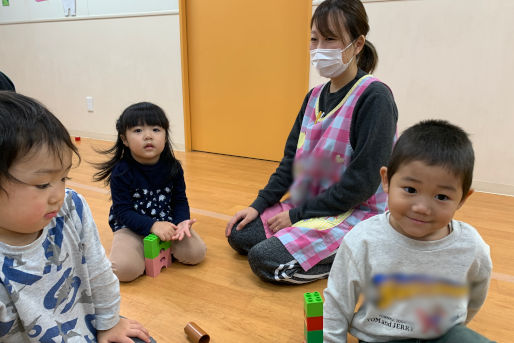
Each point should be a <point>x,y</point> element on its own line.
<point>77,139</point>
<point>153,266</point>
<point>314,323</point>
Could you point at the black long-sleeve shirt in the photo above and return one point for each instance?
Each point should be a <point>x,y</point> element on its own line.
<point>143,194</point>
<point>371,136</point>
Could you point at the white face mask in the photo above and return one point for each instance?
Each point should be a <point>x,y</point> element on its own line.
<point>329,62</point>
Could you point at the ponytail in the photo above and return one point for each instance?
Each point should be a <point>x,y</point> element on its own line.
<point>368,58</point>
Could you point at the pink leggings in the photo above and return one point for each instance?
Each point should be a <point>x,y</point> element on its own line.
<point>127,255</point>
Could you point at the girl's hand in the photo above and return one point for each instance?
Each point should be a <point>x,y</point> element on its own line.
<point>164,230</point>
<point>279,221</point>
<point>245,216</point>
<point>183,228</point>
<point>121,332</point>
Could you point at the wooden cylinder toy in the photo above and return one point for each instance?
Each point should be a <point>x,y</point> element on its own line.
<point>196,334</point>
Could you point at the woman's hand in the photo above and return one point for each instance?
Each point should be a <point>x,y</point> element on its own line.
<point>164,230</point>
<point>183,228</point>
<point>279,221</point>
<point>246,215</point>
<point>121,332</point>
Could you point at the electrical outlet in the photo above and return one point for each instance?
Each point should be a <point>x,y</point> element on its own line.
<point>89,103</point>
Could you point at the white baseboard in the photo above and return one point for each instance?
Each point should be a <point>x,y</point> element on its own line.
<point>495,188</point>
<point>93,135</point>
<point>112,138</point>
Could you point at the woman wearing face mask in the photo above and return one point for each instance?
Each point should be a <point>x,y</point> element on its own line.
<point>342,136</point>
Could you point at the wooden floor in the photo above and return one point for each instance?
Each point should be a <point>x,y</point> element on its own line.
<point>223,296</point>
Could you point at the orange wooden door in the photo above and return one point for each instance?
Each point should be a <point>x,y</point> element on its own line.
<point>247,69</point>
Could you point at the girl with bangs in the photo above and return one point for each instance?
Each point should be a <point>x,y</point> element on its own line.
<point>148,192</point>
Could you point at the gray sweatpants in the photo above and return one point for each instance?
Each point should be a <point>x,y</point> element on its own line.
<point>270,260</point>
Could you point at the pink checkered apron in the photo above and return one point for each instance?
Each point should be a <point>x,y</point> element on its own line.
<point>323,154</point>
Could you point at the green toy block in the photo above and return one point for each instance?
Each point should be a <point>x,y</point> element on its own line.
<point>313,304</point>
<point>153,246</point>
<point>312,336</point>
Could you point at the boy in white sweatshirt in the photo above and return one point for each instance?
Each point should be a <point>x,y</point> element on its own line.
<point>422,274</point>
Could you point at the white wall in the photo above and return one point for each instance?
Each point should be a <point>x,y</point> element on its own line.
<point>117,61</point>
<point>453,60</point>
<point>32,10</point>
<point>447,59</point>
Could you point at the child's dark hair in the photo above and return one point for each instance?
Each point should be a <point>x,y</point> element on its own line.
<point>333,17</point>
<point>6,84</point>
<point>142,113</point>
<point>26,124</point>
<point>436,143</point>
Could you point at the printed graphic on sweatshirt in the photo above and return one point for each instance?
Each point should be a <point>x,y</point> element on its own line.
<point>42,293</point>
<point>415,302</point>
<point>388,289</point>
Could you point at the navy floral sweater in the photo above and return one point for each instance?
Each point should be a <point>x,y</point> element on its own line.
<point>143,194</point>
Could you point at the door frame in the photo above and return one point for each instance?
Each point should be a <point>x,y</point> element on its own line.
<point>185,73</point>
